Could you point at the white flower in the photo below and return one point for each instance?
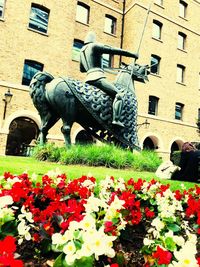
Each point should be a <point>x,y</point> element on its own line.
<point>70,258</point>
<point>25,215</point>
<point>148,242</point>
<point>23,230</point>
<point>5,200</point>
<point>69,248</point>
<point>93,204</point>
<point>58,239</point>
<point>89,184</point>
<point>100,243</point>
<point>185,257</point>
<point>158,224</point>
<point>88,223</point>
<point>120,184</point>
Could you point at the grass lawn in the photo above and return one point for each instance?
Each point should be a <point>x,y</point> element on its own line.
<point>18,165</point>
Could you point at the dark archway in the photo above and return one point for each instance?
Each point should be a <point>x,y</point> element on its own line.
<point>148,144</point>
<point>174,147</point>
<point>22,131</point>
<point>83,137</point>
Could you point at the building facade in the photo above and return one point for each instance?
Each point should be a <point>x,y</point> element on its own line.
<point>48,35</point>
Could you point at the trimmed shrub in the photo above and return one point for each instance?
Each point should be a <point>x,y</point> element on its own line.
<point>105,155</point>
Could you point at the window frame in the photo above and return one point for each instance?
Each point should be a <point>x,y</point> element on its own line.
<point>181,106</point>
<point>183,9</point>
<point>158,58</point>
<point>157,29</point>
<point>183,40</point>
<point>29,63</point>
<point>109,61</point>
<point>181,75</point>
<point>86,8</point>
<point>153,105</point>
<point>3,10</point>
<point>42,9</point>
<point>158,2</point>
<point>113,26</point>
<point>76,54</point>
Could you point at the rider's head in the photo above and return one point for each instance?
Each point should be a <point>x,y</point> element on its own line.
<point>90,38</point>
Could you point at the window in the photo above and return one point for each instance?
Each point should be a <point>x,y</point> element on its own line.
<point>182,9</point>
<point>76,49</point>
<point>179,111</point>
<point>153,105</point>
<point>155,64</point>
<point>110,24</point>
<point>157,28</point>
<point>181,40</point>
<point>159,2</point>
<point>39,18</point>
<point>199,114</point>
<point>82,13</point>
<point>108,61</point>
<point>2,8</point>
<point>180,73</point>
<point>30,68</point>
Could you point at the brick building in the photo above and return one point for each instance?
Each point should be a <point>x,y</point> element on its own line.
<point>47,35</point>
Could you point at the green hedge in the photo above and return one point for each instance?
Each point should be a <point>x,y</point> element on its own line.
<point>93,155</point>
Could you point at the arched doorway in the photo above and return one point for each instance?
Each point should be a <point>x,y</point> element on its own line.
<point>174,147</point>
<point>83,137</point>
<point>148,144</point>
<point>22,131</point>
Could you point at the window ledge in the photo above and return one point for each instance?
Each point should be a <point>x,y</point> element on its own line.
<point>42,33</point>
<point>183,18</point>
<point>181,83</point>
<point>155,75</point>
<point>75,60</point>
<point>2,19</point>
<point>161,6</point>
<point>156,39</point>
<point>86,24</point>
<point>111,34</point>
<point>183,50</point>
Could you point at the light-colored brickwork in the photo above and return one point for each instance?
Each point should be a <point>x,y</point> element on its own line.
<point>54,50</point>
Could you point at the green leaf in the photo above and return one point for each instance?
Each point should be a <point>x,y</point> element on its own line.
<point>170,244</point>
<point>146,250</point>
<point>173,227</point>
<point>60,261</point>
<point>9,228</point>
<point>85,261</point>
<point>77,244</point>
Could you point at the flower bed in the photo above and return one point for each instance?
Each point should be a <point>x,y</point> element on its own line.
<point>52,221</point>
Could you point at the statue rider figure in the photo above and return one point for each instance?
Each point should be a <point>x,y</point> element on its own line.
<point>91,62</point>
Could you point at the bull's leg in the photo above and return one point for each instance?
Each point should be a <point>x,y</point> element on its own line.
<point>47,122</point>
<point>66,129</point>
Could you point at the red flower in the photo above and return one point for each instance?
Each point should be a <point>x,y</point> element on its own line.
<point>7,249</point>
<point>163,256</point>
<point>114,265</point>
<point>149,213</point>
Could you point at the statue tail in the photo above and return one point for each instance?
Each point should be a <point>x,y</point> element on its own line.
<point>37,91</point>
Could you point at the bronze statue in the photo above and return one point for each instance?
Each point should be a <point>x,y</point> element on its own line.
<point>91,62</point>
<point>91,106</point>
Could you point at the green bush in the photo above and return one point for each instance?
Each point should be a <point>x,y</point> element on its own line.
<point>93,155</point>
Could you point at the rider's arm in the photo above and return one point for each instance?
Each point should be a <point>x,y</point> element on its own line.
<point>117,51</point>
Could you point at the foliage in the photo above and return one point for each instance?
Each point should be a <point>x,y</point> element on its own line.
<point>82,223</point>
<point>105,155</point>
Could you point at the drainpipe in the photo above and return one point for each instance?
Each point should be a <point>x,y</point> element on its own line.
<point>122,29</point>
